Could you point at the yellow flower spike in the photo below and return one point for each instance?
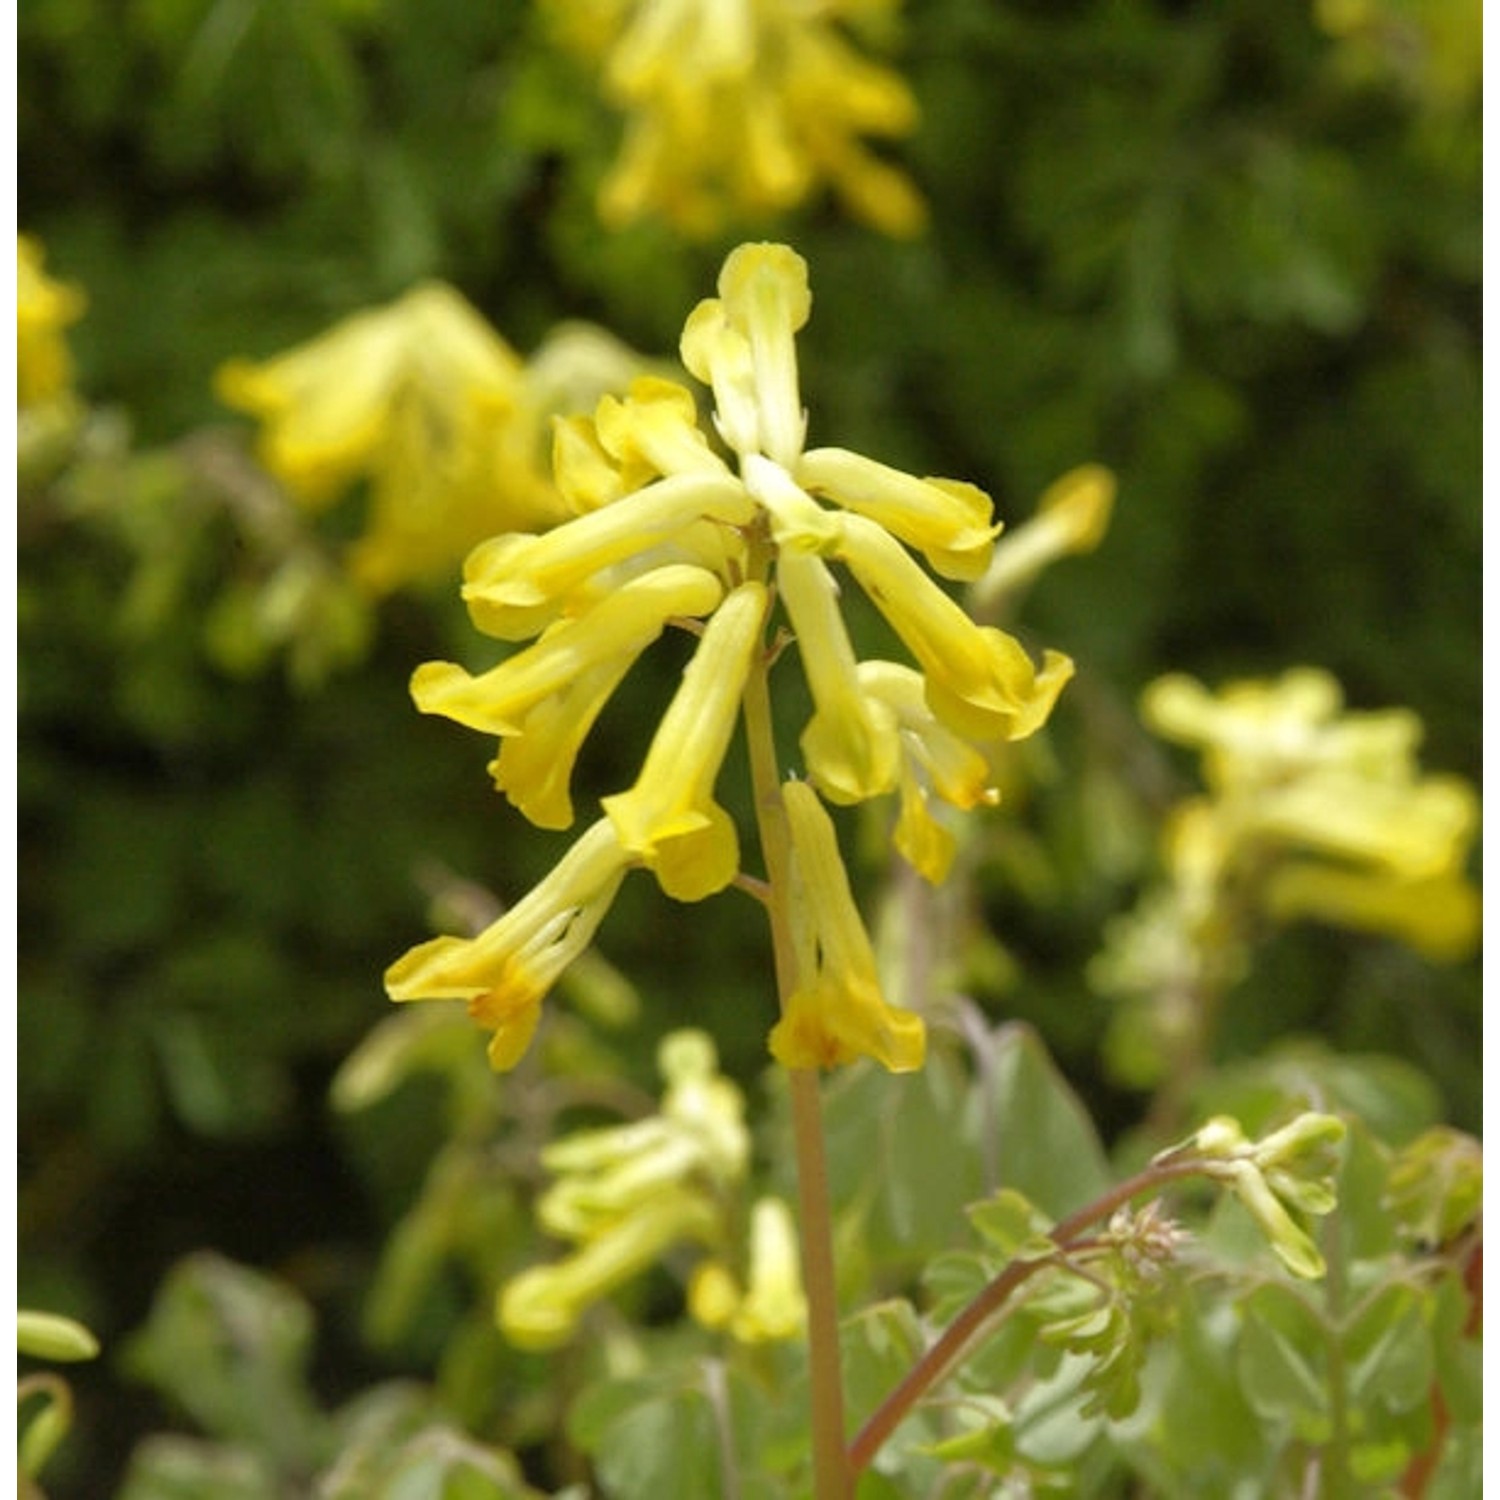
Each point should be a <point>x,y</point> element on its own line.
<point>836,1013</point>
<point>668,820</point>
<point>1072,516</point>
<point>946,520</point>
<point>850,742</point>
<point>620,625</point>
<point>766,298</point>
<point>980,681</point>
<point>655,430</point>
<point>540,1309</point>
<point>44,307</point>
<point>516,584</point>
<point>505,972</point>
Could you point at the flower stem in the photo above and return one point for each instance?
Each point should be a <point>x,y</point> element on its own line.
<point>832,1478</point>
<point>934,1364</point>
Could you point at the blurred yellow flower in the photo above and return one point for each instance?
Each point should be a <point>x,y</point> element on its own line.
<point>44,308</point>
<point>432,410</point>
<point>771,1304</point>
<point>1327,806</point>
<point>740,108</point>
<point>625,1194</point>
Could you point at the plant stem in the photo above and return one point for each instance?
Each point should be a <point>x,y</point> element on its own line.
<point>934,1364</point>
<point>832,1479</point>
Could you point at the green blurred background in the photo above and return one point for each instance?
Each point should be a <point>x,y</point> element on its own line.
<point>1218,247</point>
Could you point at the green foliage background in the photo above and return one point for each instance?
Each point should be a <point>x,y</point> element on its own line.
<point>1181,240</point>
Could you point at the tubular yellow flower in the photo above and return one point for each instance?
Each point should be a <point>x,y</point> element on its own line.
<point>515,584</point>
<point>837,1012</point>
<point>620,626</point>
<point>44,307</point>
<point>980,681</point>
<point>947,521</point>
<point>505,972</point>
<point>1072,516</point>
<point>742,344</point>
<point>933,759</point>
<point>850,742</point>
<point>669,820</point>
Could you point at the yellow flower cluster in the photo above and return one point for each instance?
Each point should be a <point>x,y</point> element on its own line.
<point>44,308</point>
<point>666,531</point>
<point>427,405</point>
<point>626,1194</point>
<point>1325,810</point>
<point>743,107</point>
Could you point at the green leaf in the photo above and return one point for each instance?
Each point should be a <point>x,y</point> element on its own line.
<point>230,1345</point>
<point>1011,1223</point>
<point>1388,1351</point>
<point>1282,1361</point>
<point>1030,1126</point>
<point>180,1468</point>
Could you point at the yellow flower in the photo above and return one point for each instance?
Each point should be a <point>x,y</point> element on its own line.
<point>1335,800</point>
<point>1072,516</point>
<point>44,307</point>
<point>505,972</point>
<point>742,107</point>
<point>428,404</point>
<point>625,1194</point>
<point>850,742</point>
<point>980,681</point>
<point>663,530</point>
<point>516,583</point>
<point>836,1013</point>
<point>948,521</point>
<point>934,760</point>
<point>669,820</point>
<point>772,1304</point>
<point>620,625</point>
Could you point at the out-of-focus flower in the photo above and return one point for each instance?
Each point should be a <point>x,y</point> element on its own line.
<point>739,108</point>
<point>44,308</point>
<point>1311,812</point>
<point>1292,774</point>
<point>770,1304</point>
<point>626,1194</point>
<point>664,531</point>
<point>435,413</point>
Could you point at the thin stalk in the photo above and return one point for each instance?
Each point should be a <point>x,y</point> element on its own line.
<point>832,1479</point>
<point>934,1364</point>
